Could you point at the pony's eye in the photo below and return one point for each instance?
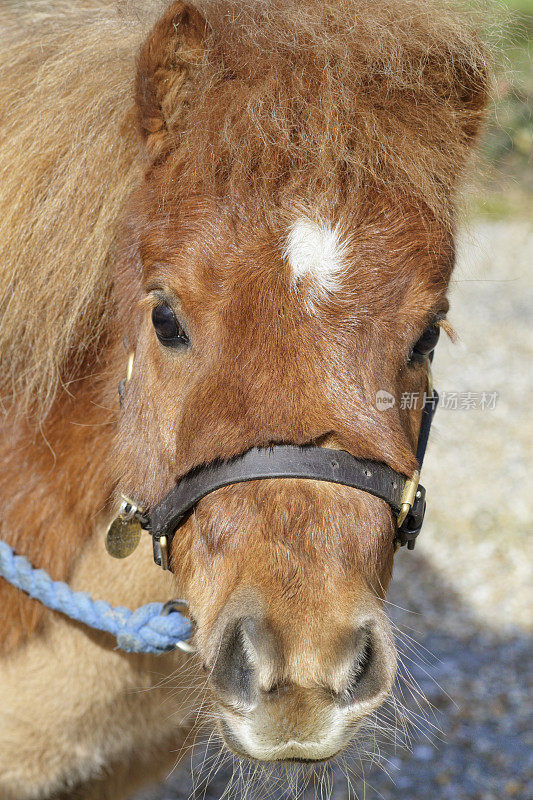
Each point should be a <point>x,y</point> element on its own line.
<point>425,345</point>
<point>167,328</point>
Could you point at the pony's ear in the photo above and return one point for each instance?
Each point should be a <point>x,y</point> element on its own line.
<point>477,102</point>
<point>169,60</point>
<point>464,84</point>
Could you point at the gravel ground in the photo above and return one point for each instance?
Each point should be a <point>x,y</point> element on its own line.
<point>462,600</point>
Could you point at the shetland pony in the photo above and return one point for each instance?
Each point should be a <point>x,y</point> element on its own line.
<point>256,200</point>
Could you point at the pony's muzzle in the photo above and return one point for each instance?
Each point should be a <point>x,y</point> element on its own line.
<point>276,707</point>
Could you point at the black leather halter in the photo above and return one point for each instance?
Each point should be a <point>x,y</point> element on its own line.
<point>405,496</point>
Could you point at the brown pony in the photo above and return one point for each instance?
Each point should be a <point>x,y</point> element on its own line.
<point>256,199</point>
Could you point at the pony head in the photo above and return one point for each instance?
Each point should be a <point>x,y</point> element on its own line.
<point>290,243</point>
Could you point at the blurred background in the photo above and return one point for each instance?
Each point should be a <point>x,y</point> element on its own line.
<point>462,601</point>
<point>504,183</point>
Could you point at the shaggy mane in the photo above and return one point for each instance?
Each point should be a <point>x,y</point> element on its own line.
<point>309,97</point>
<point>68,159</point>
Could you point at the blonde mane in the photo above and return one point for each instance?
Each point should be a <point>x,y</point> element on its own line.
<point>68,159</point>
<point>362,91</point>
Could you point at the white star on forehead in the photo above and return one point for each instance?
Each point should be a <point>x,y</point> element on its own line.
<point>316,249</point>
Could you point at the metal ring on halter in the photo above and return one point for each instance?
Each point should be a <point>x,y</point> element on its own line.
<point>178,605</point>
<point>129,509</point>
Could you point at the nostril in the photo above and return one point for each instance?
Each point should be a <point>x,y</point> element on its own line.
<point>361,663</point>
<point>367,674</point>
<point>364,659</point>
<point>233,674</point>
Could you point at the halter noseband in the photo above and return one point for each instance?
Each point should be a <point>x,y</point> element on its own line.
<point>405,496</point>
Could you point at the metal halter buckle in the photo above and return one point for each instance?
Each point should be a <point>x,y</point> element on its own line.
<point>412,523</point>
<point>408,497</point>
<point>160,548</point>
<point>181,606</point>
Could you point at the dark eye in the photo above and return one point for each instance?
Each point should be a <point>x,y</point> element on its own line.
<point>168,330</point>
<point>425,345</point>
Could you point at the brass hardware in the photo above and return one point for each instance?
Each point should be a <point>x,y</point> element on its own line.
<point>124,532</point>
<point>129,509</point>
<point>411,485</point>
<point>129,368</point>
<point>124,382</point>
<point>122,537</point>
<point>408,497</point>
<point>163,544</point>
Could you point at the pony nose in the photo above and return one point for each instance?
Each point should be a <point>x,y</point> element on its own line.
<point>250,666</point>
<point>294,699</point>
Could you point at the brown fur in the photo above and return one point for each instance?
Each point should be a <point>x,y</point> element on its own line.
<point>356,112</point>
<point>64,127</point>
<point>325,117</point>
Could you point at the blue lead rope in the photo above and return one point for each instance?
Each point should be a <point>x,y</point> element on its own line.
<point>144,630</point>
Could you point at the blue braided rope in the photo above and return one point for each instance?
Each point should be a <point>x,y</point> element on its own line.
<point>144,630</point>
